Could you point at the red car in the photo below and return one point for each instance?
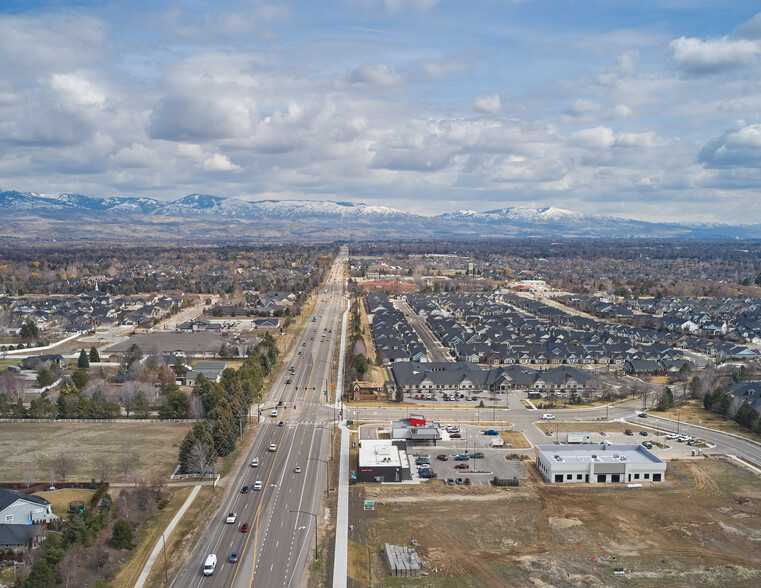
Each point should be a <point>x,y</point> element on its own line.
<point>244,528</point>
<point>442,457</point>
<point>462,466</point>
<point>467,481</point>
<point>455,436</point>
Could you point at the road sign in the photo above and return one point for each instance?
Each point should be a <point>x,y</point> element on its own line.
<point>369,505</point>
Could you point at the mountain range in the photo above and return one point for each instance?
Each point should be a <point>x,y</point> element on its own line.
<point>201,217</point>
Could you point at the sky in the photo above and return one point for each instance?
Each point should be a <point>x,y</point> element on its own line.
<point>646,109</point>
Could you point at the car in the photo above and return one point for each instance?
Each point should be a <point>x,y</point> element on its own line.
<point>280,402</point>
<point>299,352</point>
<point>280,423</point>
<point>450,481</point>
<point>477,455</point>
<point>234,557</point>
<point>455,436</point>
<point>244,490</point>
<point>272,448</point>
<point>287,381</point>
<point>423,461</point>
<point>304,344</point>
<point>257,485</point>
<point>426,473</point>
<point>647,445</point>
<point>548,417</point>
<point>442,457</point>
<point>297,470</point>
<point>255,462</point>
<point>629,432</point>
<point>467,481</point>
<point>459,481</point>
<point>642,415</point>
<point>672,436</point>
<point>452,429</point>
<point>462,457</point>
<point>273,414</point>
<point>231,518</point>
<point>643,433</point>
<point>491,432</point>
<point>462,466</point>
<point>244,528</point>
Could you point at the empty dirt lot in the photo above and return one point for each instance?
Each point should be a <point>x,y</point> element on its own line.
<point>154,446</point>
<point>701,528</point>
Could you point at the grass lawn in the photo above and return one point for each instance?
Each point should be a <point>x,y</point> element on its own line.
<point>60,499</point>
<point>8,361</point>
<point>515,439</point>
<point>128,573</point>
<point>358,568</point>
<point>154,446</point>
<point>692,412</point>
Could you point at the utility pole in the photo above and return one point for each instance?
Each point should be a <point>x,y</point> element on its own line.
<point>166,573</point>
<point>315,528</point>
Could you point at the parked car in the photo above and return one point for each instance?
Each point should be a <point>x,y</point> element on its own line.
<point>462,457</point>
<point>647,445</point>
<point>642,415</point>
<point>442,457</point>
<point>643,433</point>
<point>467,481</point>
<point>455,436</point>
<point>423,461</point>
<point>459,481</point>
<point>477,455</point>
<point>450,481</point>
<point>628,432</point>
<point>462,466</point>
<point>491,432</point>
<point>244,528</point>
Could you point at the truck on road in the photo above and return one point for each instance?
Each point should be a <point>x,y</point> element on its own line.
<point>210,565</point>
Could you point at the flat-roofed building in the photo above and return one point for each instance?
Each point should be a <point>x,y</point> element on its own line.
<point>565,464</point>
<point>381,460</point>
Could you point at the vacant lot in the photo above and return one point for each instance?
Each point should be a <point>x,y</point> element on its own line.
<point>153,445</point>
<point>543,535</point>
<point>693,412</point>
<point>551,427</point>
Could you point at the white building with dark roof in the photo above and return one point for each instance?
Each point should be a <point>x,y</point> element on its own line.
<point>566,464</point>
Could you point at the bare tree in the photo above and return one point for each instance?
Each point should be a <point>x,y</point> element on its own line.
<point>103,469</point>
<point>197,410</point>
<point>28,475</point>
<point>63,466</point>
<point>12,386</point>
<point>202,460</point>
<point>134,476</point>
<point>72,559</point>
<point>127,394</point>
<point>51,476</point>
<point>124,463</point>
<point>100,556</point>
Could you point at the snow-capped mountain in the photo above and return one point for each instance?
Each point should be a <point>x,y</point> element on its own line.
<point>206,217</point>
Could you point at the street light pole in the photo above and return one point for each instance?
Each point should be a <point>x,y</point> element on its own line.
<point>315,528</point>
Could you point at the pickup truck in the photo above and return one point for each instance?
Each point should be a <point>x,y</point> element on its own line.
<point>491,432</point>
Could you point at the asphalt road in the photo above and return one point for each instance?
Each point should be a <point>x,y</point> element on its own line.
<point>282,516</point>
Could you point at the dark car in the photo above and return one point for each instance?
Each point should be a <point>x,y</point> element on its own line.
<point>477,455</point>
<point>244,490</point>
<point>280,423</point>
<point>280,402</point>
<point>442,457</point>
<point>647,445</point>
<point>462,457</point>
<point>642,415</point>
<point>234,557</point>
<point>423,461</point>
<point>643,433</point>
<point>462,466</point>
<point>491,432</point>
<point>455,436</point>
<point>244,528</point>
<point>427,473</point>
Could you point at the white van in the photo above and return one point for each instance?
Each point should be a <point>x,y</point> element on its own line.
<point>548,417</point>
<point>210,565</point>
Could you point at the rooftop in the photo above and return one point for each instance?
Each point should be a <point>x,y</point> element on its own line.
<point>602,453</point>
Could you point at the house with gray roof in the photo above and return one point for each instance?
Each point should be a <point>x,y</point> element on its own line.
<point>23,509</point>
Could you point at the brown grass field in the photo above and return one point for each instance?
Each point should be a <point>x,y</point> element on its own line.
<point>154,446</point>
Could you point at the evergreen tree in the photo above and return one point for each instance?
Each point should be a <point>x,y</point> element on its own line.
<point>94,355</point>
<point>746,415</point>
<point>44,378</point>
<point>80,377</point>
<point>122,536</point>
<point>41,575</point>
<point>667,400</point>
<point>140,406</point>
<point>84,361</point>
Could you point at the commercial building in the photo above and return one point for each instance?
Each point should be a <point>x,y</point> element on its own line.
<point>416,430</point>
<point>565,464</point>
<point>381,460</point>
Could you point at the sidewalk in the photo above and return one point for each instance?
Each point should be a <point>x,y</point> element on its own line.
<point>341,556</point>
<point>169,528</point>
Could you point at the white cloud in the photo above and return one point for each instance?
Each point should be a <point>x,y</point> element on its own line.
<point>374,75</point>
<point>488,104</point>
<point>219,162</point>
<point>137,156</point>
<point>713,55</point>
<point>596,138</point>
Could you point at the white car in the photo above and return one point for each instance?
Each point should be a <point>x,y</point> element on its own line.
<point>258,485</point>
<point>672,436</point>
<point>548,417</point>
<point>231,518</point>
<point>273,413</point>
<point>255,462</point>
<point>273,447</point>
<point>297,470</point>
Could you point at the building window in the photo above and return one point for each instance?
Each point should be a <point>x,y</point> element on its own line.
<point>579,476</point>
<point>569,477</point>
<point>636,476</point>
<point>647,476</point>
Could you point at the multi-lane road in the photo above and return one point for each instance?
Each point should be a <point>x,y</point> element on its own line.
<point>281,517</point>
